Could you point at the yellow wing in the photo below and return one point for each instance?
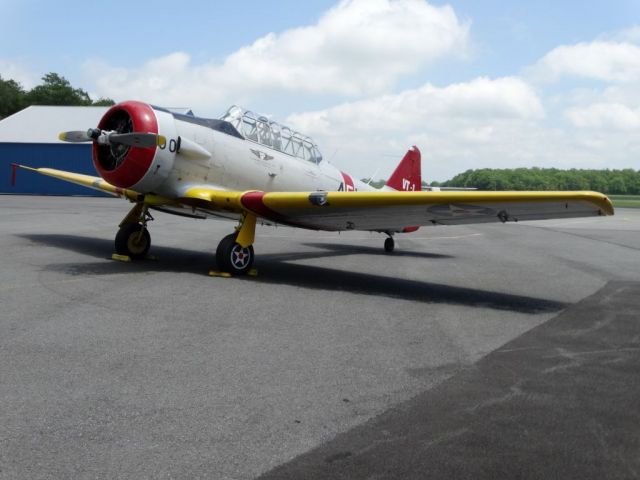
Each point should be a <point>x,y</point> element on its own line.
<point>197,202</point>
<point>95,183</point>
<point>377,211</point>
<point>98,183</point>
<point>395,211</point>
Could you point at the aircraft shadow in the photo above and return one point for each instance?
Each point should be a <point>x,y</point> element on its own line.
<point>345,249</point>
<point>275,269</point>
<point>169,259</point>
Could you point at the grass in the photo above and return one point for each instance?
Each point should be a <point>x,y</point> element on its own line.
<point>625,201</point>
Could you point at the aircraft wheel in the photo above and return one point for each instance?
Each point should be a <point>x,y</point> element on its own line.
<point>233,258</point>
<point>133,240</point>
<point>389,244</point>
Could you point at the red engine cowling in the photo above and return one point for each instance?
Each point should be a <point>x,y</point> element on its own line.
<point>126,166</point>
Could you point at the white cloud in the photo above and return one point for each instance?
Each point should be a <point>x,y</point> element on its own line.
<point>608,116</point>
<point>168,81</point>
<point>461,125</point>
<point>361,48</point>
<point>478,100</point>
<point>358,47</point>
<point>15,70</point>
<point>631,34</point>
<point>599,60</point>
<point>611,105</point>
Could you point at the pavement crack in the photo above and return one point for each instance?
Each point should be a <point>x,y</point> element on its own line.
<point>514,391</point>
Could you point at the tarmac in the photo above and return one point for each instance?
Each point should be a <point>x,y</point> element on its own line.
<point>481,351</point>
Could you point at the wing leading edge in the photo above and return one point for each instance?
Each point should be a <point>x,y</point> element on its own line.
<point>376,211</point>
<point>95,183</point>
<point>394,211</point>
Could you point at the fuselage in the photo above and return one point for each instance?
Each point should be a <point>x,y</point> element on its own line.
<point>212,153</point>
<point>244,164</point>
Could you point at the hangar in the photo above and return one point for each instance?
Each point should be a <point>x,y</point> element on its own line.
<point>30,137</point>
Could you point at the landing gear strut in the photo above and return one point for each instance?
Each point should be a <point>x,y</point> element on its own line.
<point>234,254</point>
<point>133,239</point>
<point>389,244</point>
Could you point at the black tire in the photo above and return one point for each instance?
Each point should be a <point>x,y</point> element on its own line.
<point>232,258</point>
<point>130,242</point>
<point>389,245</point>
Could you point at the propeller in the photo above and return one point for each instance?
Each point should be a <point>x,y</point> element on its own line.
<point>133,139</point>
<point>75,136</point>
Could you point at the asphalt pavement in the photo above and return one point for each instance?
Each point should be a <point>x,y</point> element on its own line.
<point>154,369</point>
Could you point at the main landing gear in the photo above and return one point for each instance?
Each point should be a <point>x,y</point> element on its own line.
<point>133,239</point>
<point>234,254</point>
<point>232,257</point>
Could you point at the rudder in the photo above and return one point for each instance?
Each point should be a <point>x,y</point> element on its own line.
<point>408,174</point>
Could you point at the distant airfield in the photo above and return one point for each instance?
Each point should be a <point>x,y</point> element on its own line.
<point>625,201</point>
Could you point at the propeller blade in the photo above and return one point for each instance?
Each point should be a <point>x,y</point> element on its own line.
<point>143,140</point>
<point>134,139</point>
<point>75,136</point>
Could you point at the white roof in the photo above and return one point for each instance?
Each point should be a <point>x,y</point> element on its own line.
<point>42,124</point>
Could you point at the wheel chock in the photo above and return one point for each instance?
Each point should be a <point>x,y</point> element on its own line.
<point>127,258</point>
<point>216,273</point>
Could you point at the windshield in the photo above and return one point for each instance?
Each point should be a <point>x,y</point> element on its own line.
<point>261,130</point>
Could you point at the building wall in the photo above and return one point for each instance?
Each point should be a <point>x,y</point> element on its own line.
<point>70,157</point>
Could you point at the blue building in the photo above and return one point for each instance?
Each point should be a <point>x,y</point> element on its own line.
<point>30,137</point>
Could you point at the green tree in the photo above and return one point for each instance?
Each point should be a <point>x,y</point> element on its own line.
<point>12,97</point>
<point>103,102</point>
<point>56,90</point>
<point>622,182</point>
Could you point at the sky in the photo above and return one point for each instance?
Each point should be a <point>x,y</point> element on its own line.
<point>473,84</point>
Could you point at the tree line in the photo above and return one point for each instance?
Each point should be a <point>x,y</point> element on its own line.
<point>54,90</point>
<point>614,182</point>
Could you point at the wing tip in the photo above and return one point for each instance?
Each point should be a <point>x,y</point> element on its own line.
<point>600,200</point>
<point>606,205</point>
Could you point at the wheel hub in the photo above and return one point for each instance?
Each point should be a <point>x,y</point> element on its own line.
<point>240,256</point>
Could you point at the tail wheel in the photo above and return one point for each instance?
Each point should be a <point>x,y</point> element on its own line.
<point>389,245</point>
<point>133,240</point>
<point>232,257</point>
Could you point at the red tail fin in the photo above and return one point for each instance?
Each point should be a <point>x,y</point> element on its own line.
<point>407,176</point>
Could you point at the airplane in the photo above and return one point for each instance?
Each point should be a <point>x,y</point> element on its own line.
<point>249,168</point>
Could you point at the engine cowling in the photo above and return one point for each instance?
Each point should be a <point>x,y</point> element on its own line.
<point>142,169</point>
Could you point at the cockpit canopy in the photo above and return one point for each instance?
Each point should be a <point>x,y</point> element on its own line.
<point>261,130</point>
